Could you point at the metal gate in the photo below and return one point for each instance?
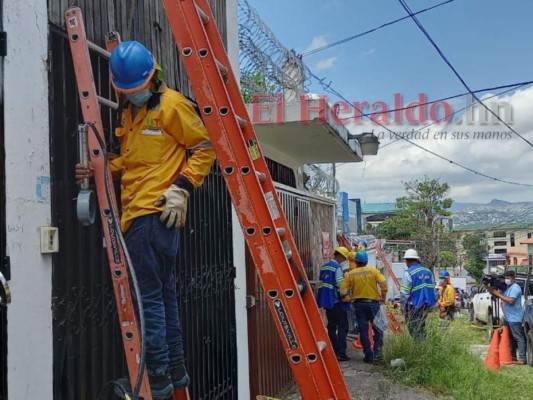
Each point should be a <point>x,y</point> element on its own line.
<point>88,349</point>
<point>269,368</point>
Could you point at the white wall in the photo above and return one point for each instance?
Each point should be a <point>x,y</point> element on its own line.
<point>27,201</point>
<point>241,314</point>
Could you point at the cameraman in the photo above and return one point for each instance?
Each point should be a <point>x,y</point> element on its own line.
<point>513,314</point>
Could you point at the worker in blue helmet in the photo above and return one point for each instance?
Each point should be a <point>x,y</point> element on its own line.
<point>446,302</point>
<point>158,128</point>
<point>366,288</point>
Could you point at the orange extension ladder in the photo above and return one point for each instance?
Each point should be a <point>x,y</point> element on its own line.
<point>94,140</point>
<point>300,326</point>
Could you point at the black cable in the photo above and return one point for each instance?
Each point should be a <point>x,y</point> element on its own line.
<point>459,110</point>
<point>338,42</point>
<point>425,32</point>
<point>111,384</point>
<point>328,88</point>
<point>142,364</point>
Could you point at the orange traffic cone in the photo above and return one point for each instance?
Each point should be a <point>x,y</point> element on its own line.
<point>492,361</point>
<point>357,342</point>
<point>505,347</point>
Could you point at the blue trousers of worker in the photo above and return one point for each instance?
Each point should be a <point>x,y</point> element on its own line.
<point>337,328</point>
<point>365,312</point>
<point>153,249</point>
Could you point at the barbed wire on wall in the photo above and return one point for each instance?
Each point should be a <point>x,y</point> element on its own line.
<point>266,66</point>
<point>320,182</point>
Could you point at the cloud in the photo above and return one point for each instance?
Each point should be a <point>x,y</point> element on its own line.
<point>317,42</point>
<point>325,64</point>
<point>368,53</point>
<point>488,148</point>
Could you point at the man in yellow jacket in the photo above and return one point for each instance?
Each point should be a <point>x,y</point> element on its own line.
<point>158,128</point>
<point>446,301</point>
<point>365,287</point>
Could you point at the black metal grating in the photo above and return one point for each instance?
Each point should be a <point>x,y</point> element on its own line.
<point>281,173</point>
<point>88,350</point>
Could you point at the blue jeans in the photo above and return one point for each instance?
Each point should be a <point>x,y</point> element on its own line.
<point>416,321</point>
<point>153,249</point>
<point>337,328</point>
<point>518,339</point>
<point>365,312</point>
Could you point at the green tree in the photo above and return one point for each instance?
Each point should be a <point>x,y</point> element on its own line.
<point>420,215</point>
<point>255,84</point>
<point>475,251</point>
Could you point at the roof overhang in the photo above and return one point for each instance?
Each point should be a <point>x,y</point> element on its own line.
<point>305,130</point>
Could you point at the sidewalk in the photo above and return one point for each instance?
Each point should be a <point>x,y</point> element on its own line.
<point>367,382</point>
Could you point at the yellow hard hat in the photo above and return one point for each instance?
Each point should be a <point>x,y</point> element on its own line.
<point>343,251</point>
<point>351,256</point>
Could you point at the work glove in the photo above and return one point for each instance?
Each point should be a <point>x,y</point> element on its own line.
<point>174,200</point>
<point>83,171</point>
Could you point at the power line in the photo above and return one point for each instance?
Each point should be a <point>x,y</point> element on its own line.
<point>328,88</point>
<point>338,42</point>
<point>455,112</point>
<point>512,86</point>
<point>428,36</point>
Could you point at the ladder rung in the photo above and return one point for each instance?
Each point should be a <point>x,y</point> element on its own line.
<point>262,177</point>
<point>108,103</point>
<point>222,68</point>
<point>203,15</point>
<point>98,49</point>
<point>281,231</point>
<point>321,345</point>
<point>242,122</point>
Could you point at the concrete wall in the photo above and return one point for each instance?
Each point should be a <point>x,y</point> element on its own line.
<point>322,220</point>
<point>28,199</point>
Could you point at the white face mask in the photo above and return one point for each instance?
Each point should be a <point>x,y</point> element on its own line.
<point>140,98</point>
<point>345,265</point>
<point>441,281</point>
<point>508,282</point>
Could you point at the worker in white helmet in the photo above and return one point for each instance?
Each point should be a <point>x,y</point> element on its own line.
<point>417,294</point>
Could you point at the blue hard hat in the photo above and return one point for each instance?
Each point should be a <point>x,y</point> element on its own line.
<point>444,274</point>
<point>361,257</point>
<point>132,67</point>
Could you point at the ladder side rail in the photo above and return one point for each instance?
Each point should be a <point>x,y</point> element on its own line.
<point>318,331</point>
<point>248,132</point>
<point>383,257</point>
<point>106,199</point>
<point>224,151</point>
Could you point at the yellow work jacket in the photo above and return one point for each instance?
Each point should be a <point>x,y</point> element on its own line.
<point>153,150</point>
<point>446,296</point>
<point>363,282</point>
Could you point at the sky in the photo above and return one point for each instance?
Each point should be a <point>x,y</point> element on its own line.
<point>489,42</point>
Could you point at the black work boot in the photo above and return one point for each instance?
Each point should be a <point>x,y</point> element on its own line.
<point>160,386</point>
<point>180,378</point>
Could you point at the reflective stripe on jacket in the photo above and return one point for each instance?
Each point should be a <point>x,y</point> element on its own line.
<point>421,290</point>
<point>153,152</point>
<point>331,277</point>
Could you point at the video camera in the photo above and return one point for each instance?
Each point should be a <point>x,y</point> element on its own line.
<point>494,281</point>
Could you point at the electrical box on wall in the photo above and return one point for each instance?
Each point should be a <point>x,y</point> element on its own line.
<point>49,239</point>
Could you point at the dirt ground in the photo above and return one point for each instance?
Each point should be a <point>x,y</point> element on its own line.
<point>367,382</point>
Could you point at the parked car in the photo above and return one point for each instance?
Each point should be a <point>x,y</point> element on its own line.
<point>485,308</point>
<point>528,328</point>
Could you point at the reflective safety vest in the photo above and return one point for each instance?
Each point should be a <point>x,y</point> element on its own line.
<point>422,286</point>
<point>331,277</point>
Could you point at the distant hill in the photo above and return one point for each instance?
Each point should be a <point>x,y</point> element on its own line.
<point>495,213</point>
